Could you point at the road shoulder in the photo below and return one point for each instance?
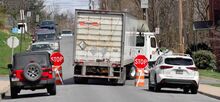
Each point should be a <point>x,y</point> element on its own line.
<point>4,87</point>
<point>210,91</point>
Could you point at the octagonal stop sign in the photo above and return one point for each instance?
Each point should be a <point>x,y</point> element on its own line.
<point>140,62</point>
<point>57,58</point>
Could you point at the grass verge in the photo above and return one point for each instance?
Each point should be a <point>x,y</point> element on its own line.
<point>216,85</point>
<point>209,73</point>
<point>4,71</point>
<point>5,51</point>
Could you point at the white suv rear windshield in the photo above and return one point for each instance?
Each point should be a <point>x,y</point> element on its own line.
<point>178,61</point>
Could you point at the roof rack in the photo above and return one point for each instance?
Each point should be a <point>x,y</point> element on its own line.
<point>179,54</point>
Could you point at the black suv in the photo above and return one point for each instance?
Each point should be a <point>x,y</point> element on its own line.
<point>31,70</point>
<point>47,24</point>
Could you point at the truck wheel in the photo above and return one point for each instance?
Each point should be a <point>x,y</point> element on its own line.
<point>78,80</point>
<point>14,92</point>
<point>131,73</point>
<point>51,89</point>
<point>32,72</point>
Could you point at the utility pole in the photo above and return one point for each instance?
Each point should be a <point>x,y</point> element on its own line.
<point>90,1</point>
<point>22,22</point>
<point>181,44</point>
<point>91,4</point>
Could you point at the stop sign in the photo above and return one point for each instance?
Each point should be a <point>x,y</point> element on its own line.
<point>57,58</point>
<point>140,61</point>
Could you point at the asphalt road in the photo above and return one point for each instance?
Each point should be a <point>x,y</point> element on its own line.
<point>101,92</point>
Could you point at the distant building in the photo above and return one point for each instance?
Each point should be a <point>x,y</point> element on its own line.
<point>214,14</point>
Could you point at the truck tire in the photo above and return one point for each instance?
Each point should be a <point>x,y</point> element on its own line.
<point>32,72</point>
<point>78,80</point>
<point>131,73</point>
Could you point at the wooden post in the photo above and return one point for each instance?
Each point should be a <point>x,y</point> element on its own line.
<point>181,44</point>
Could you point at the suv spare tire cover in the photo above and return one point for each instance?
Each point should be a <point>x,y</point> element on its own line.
<point>32,72</point>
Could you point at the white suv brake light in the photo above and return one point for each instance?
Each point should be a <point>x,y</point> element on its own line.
<point>192,68</point>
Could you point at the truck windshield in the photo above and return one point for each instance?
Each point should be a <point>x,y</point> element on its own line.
<point>153,42</point>
<point>140,41</point>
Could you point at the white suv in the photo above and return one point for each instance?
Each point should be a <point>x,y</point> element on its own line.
<point>174,71</point>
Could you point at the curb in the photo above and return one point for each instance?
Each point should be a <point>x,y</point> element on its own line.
<point>3,92</point>
<point>209,95</point>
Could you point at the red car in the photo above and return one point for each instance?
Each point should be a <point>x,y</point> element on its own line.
<point>31,70</point>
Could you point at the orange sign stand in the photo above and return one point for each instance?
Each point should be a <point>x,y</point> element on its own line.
<point>139,81</point>
<point>58,75</point>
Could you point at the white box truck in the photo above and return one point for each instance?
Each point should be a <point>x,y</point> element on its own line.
<point>103,42</point>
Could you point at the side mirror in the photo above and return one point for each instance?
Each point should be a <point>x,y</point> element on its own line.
<point>10,66</point>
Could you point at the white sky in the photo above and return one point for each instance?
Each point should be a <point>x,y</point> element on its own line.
<point>68,5</point>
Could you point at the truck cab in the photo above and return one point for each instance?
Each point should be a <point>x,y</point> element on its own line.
<point>146,44</point>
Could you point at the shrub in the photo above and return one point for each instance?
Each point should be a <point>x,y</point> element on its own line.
<point>196,47</point>
<point>204,59</point>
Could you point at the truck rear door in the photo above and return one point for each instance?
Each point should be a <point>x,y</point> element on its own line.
<point>98,37</point>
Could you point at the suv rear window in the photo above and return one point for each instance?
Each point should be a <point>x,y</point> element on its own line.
<point>178,61</point>
<point>22,61</point>
<point>46,37</point>
<point>66,32</point>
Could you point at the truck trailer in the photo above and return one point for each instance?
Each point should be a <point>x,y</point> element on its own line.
<point>103,43</point>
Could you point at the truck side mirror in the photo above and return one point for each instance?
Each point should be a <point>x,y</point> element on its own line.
<point>10,66</point>
<point>59,37</point>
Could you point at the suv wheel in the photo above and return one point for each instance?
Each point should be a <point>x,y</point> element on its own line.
<point>157,87</point>
<point>32,72</point>
<point>51,89</point>
<point>14,92</point>
<point>150,88</point>
<point>194,90</point>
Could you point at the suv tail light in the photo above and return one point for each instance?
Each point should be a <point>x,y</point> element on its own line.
<point>192,68</point>
<point>165,67</point>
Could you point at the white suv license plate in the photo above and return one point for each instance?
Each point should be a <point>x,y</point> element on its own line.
<point>179,71</point>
